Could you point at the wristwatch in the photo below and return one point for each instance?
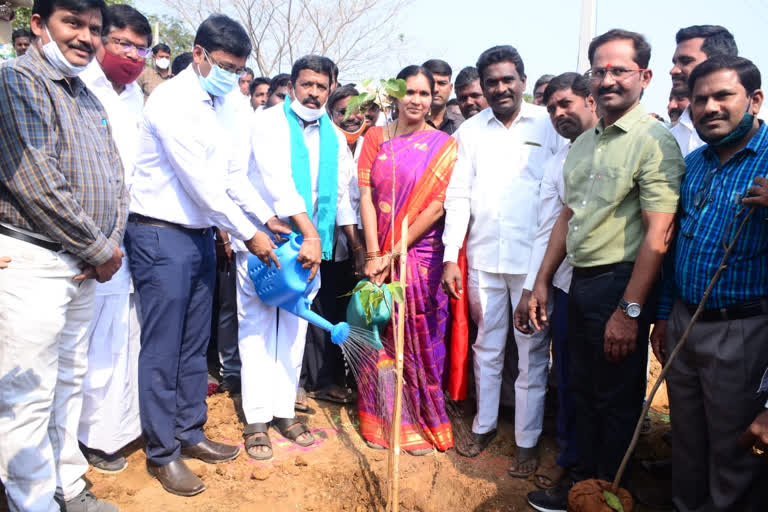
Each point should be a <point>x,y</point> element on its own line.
<point>631,309</point>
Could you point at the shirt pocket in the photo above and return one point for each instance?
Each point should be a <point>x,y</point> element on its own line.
<point>611,184</point>
<point>531,159</point>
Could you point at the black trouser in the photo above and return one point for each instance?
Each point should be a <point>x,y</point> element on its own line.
<point>323,364</point>
<point>223,349</point>
<point>607,397</point>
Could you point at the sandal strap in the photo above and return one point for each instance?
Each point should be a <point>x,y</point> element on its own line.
<point>256,428</point>
<point>257,439</point>
<point>290,430</point>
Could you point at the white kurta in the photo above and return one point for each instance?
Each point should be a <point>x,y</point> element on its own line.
<point>110,417</point>
<point>271,341</point>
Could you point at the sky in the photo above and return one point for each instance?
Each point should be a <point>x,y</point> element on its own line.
<point>545,32</point>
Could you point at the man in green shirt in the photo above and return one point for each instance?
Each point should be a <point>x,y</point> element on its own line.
<point>622,180</point>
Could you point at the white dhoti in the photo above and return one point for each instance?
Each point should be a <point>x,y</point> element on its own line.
<point>271,343</point>
<point>490,298</point>
<point>110,418</point>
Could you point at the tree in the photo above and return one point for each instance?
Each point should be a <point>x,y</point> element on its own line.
<point>352,33</point>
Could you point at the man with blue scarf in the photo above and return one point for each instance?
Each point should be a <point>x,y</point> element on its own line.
<point>190,175</point>
<point>301,164</point>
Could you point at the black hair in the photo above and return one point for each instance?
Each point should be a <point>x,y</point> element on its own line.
<point>749,75</point>
<point>161,47</point>
<point>221,33</point>
<point>503,53</point>
<point>278,81</point>
<point>451,102</point>
<point>338,94</point>
<point>316,63</point>
<point>181,62</point>
<point>543,79</point>
<point>414,70</point>
<point>642,48</point>
<point>20,32</point>
<point>680,92</point>
<point>121,16</point>
<point>465,77</point>
<point>248,71</point>
<point>259,80</point>
<point>334,71</point>
<point>717,40</point>
<point>45,8</point>
<point>438,67</point>
<point>573,81</point>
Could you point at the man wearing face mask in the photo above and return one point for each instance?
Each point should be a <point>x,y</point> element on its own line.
<point>110,418</point>
<point>301,162</point>
<point>63,205</point>
<point>718,383</point>
<point>159,72</point>
<point>322,370</point>
<point>190,175</point>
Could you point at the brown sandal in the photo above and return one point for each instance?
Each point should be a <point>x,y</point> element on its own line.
<point>254,436</point>
<point>292,429</point>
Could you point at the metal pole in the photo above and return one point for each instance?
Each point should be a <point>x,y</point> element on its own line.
<point>586,33</point>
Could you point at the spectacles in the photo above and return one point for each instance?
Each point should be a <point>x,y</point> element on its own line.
<point>127,47</point>
<point>229,68</point>
<point>618,73</point>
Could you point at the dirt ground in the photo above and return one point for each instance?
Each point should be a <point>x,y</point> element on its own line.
<point>339,473</point>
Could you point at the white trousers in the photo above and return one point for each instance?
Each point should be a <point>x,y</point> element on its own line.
<point>490,298</point>
<point>44,318</point>
<point>271,343</point>
<point>110,418</point>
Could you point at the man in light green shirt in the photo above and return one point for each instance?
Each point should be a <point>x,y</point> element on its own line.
<point>622,183</point>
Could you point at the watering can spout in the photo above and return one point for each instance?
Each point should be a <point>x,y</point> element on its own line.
<point>339,332</point>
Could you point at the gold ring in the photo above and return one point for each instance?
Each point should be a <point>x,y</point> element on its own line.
<point>758,451</point>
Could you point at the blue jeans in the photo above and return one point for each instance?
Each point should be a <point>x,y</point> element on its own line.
<point>565,438</point>
<point>174,272</point>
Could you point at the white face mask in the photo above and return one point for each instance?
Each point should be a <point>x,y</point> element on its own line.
<point>163,63</point>
<point>58,60</point>
<point>306,113</point>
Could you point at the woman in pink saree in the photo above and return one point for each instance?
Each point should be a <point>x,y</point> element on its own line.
<point>423,159</point>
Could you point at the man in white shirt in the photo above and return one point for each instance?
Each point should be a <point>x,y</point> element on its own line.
<point>492,199</point>
<point>322,371</point>
<point>695,44</point>
<point>110,417</point>
<point>572,110</point>
<point>189,175</point>
<point>301,162</point>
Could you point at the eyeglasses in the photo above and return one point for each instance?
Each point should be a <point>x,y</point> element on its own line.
<point>617,73</point>
<point>127,47</point>
<point>229,68</point>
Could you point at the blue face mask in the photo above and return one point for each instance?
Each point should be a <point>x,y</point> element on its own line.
<point>218,82</point>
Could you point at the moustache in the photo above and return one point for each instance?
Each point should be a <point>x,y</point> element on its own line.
<point>503,95</point>
<point>311,102</point>
<point>607,90</point>
<point>83,47</point>
<point>718,116</point>
<point>679,77</point>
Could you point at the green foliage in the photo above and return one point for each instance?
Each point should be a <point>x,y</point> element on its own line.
<point>380,93</point>
<point>396,289</point>
<point>371,296</point>
<point>613,501</point>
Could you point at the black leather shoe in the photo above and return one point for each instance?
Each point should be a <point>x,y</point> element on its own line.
<point>176,478</point>
<point>211,452</point>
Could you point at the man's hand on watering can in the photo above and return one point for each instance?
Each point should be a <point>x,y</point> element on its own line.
<point>262,246</point>
<point>279,227</point>
<point>310,255</point>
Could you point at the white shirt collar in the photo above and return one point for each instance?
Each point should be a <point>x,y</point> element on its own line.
<point>526,112</point>
<point>93,76</point>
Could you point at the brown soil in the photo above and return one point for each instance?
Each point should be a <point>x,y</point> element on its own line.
<point>339,473</point>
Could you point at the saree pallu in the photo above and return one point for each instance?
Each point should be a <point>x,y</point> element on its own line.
<point>423,165</point>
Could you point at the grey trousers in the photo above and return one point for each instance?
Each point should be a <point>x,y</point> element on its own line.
<point>713,398</point>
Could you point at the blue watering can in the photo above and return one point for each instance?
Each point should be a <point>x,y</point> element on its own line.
<point>380,315</point>
<point>288,288</point>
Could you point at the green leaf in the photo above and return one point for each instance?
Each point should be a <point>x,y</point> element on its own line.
<point>365,83</point>
<point>613,501</point>
<point>396,289</point>
<point>362,285</point>
<point>394,87</point>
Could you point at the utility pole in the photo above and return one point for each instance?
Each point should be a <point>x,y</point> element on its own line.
<point>586,33</point>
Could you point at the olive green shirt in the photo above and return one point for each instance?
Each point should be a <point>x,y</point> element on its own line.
<point>613,173</point>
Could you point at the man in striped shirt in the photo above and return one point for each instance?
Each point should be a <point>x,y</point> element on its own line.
<point>716,384</point>
<point>63,207</point>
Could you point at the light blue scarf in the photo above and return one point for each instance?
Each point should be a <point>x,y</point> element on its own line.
<point>328,174</point>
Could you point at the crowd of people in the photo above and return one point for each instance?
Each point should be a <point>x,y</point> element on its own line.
<point>577,230</point>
